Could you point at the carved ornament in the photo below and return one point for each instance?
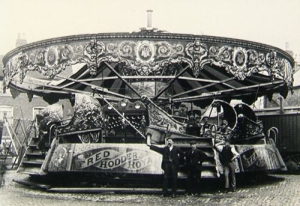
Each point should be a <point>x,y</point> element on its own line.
<point>142,58</point>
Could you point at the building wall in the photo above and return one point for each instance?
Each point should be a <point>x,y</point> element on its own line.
<point>23,108</point>
<point>23,113</point>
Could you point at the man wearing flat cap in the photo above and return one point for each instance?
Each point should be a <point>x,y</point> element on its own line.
<point>170,164</point>
<point>194,160</point>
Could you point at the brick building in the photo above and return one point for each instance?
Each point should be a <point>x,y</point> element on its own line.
<point>19,111</point>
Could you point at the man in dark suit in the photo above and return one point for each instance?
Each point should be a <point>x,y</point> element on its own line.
<point>170,164</point>
<point>194,160</point>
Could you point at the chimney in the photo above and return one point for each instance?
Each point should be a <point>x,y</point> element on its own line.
<point>21,40</point>
<point>287,49</point>
<point>149,22</point>
<point>149,27</point>
<point>287,46</point>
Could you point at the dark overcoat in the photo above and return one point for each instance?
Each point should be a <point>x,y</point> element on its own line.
<point>165,151</point>
<point>195,159</point>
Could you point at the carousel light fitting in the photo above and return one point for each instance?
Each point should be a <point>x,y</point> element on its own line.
<point>137,106</point>
<point>124,103</point>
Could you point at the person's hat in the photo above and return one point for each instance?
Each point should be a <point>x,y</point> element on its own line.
<point>193,142</point>
<point>169,138</point>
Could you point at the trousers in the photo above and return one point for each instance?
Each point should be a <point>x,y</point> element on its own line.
<point>170,173</point>
<point>229,174</point>
<point>194,181</point>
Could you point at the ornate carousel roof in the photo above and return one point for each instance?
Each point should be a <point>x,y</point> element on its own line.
<point>163,66</point>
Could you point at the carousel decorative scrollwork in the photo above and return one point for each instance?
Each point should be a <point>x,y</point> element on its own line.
<point>147,57</point>
<point>160,118</point>
<point>144,57</point>
<point>21,65</point>
<point>87,115</point>
<point>197,51</point>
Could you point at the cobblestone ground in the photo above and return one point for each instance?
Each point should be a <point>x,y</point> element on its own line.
<point>275,189</point>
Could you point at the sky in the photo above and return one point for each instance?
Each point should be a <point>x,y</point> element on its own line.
<point>272,22</point>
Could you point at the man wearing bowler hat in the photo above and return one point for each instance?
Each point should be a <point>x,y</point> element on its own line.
<point>194,160</point>
<point>170,164</point>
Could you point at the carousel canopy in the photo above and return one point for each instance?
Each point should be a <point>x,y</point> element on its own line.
<point>163,66</point>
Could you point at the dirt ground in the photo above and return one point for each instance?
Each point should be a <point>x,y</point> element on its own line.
<point>275,189</point>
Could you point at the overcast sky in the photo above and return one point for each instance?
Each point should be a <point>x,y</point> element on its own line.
<point>272,22</point>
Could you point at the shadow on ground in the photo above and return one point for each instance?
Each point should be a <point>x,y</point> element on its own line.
<point>244,181</point>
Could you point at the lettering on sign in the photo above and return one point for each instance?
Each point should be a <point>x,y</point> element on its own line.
<point>111,159</point>
<point>260,157</point>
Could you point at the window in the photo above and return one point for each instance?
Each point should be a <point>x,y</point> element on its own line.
<point>6,112</point>
<point>37,110</point>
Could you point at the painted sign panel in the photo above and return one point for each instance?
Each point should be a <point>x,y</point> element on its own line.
<point>259,157</point>
<point>264,157</point>
<point>139,159</point>
<point>127,158</point>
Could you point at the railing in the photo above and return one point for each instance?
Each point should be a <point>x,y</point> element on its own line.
<point>274,130</point>
<point>13,136</point>
<point>20,146</point>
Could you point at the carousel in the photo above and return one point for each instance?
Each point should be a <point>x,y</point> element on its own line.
<point>129,88</point>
